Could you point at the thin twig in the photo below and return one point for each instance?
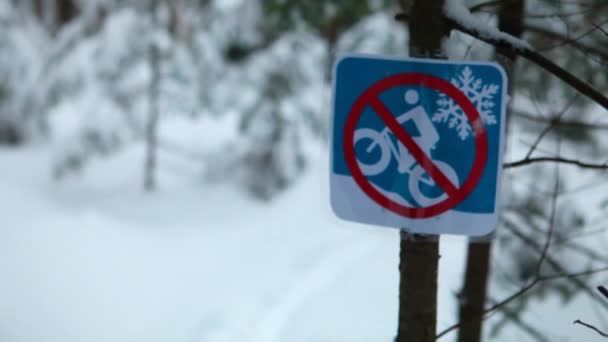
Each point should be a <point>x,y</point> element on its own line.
<point>528,161</point>
<point>522,291</point>
<point>551,229</point>
<point>512,315</point>
<point>579,234</point>
<point>599,52</point>
<point>540,137</point>
<point>599,27</point>
<point>538,278</point>
<point>603,291</point>
<point>578,321</point>
<point>560,123</point>
<point>583,250</point>
<point>551,261</point>
<point>552,124</point>
<point>569,40</point>
<point>574,275</point>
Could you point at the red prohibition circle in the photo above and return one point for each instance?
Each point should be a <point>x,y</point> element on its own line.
<point>371,98</point>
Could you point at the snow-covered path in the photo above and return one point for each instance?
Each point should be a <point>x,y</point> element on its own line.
<point>93,259</point>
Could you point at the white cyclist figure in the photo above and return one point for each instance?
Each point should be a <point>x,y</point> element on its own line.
<point>406,163</point>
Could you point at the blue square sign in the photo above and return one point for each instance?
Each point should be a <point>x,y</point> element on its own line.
<point>417,144</point>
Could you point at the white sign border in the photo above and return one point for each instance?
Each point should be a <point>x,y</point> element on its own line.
<point>350,203</point>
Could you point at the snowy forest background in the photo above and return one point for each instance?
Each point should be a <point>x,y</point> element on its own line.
<point>164,170</point>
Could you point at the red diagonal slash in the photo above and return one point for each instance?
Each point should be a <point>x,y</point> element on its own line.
<point>427,164</point>
<point>371,98</point>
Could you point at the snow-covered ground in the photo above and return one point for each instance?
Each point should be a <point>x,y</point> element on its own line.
<point>92,258</point>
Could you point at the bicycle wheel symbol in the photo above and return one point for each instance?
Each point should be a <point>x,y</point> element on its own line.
<point>425,173</point>
<point>419,180</point>
<point>419,177</point>
<point>376,140</point>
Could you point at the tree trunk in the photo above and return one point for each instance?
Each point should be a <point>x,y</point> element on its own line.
<point>45,10</point>
<point>419,255</point>
<point>154,93</point>
<point>474,291</point>
<point>418,266</point>
<point>175,18</point>
<point>66,11</point>
<point>55,13</point>
<point>473,294</point>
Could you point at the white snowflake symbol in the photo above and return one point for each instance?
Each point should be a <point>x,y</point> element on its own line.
<point>481,95</point>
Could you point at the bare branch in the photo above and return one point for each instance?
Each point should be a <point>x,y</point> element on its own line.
<point>538,278</point>
<point>578,321</point>
<point>603,291</point>
<point>566,240</point>
<point>563,274</point>
<point>528,161</point>
<point>574,275</point>
<point>583,250</point>
<point>575,42</point>
<point>551,229</point>
<point>522,324</point>
<point>540,137</point>
<point>551,261</point>
<point>560,123</point>
<point>551,125</point>
<point>522,291</point>
<point>571,40</point>
<point>600,28</point>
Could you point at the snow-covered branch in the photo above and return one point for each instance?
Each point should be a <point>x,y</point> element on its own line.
<point>459,18</point>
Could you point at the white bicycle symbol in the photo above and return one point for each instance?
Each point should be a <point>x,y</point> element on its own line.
<point>407,164</point>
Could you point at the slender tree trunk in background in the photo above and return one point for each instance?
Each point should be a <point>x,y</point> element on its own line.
<point>329,62</point>
<point>66,11</point>
<point>55,13</point>
<point>331,37</point>
<point>474,291</point>
<point>175,18</point>
<point>154,92</point>
<point>473,294</point>
<point>419,255</point>
<point>45,10</point>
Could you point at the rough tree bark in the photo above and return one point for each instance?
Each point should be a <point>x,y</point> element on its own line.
<point>474,291</point>
<point>419,255</point>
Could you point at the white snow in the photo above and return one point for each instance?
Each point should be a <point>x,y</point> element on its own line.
<point>92,258</point>
<point>457,11</point>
